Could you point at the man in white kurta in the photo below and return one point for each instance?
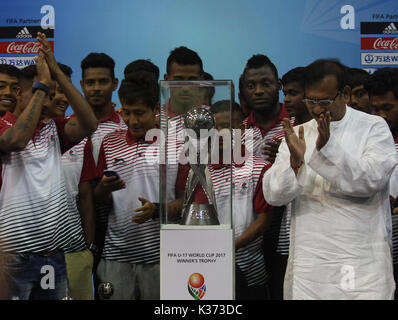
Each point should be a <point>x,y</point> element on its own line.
<point>336,172</point>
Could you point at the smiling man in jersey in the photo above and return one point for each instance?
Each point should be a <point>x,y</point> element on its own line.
<point>34,228</point>
<point>9,87</point>
<point>130,259</point>
<point>382,87</point>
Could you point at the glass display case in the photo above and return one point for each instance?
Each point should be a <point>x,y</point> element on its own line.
<point>196,236</point>
<point>195,184</point>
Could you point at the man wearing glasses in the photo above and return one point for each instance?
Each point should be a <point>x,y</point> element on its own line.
<point>336,170</point>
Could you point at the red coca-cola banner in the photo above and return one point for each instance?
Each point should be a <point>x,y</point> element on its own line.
<point>21,47</point>
<point>379,43</point>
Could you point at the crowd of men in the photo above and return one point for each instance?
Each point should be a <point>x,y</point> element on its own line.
<point>319,218</point>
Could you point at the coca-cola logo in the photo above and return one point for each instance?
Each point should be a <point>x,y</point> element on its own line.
<point>380,43</point>
<point>386,43</point>
<point>25,47</point>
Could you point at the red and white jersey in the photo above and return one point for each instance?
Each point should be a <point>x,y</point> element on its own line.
<point>33,199</point>
<point>72,164</point>
<point>260,135</point>
<point>137,163</point>
<point>247,202</point>
<point>255,137</point>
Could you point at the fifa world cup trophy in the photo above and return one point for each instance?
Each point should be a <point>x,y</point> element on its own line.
<point>199,179</point>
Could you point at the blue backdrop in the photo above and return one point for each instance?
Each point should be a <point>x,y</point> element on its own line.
<point>225,33</point>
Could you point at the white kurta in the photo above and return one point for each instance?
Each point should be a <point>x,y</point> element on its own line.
<point>341,222</point>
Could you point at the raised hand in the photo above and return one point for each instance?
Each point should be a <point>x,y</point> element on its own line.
<point>295,143</point>
<point>145,212</point>
<point>323,130</point>
<point>270,149</point>
<point>48,54</point>
<point>43,71</point>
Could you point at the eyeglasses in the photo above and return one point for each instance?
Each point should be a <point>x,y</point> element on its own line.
<point>322,103</point>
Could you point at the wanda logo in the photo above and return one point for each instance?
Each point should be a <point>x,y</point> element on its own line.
<point>381,43</point>
<point>24,47</point>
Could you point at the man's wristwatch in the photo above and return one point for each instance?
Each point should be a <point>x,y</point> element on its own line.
<point>37,85</point>
<point>93,248</point>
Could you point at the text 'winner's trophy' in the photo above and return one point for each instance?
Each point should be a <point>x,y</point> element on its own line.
<point>199,181</point>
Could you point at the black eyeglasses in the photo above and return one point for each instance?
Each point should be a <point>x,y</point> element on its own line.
<point>322,102</point>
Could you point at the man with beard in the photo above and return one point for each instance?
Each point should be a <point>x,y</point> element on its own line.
<point>259,87</point>
<point>336,169</point>
<point>382,87</point>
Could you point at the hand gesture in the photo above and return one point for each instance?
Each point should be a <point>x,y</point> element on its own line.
<point>106,186</point>
<point>270,149</point>
<point>295,143</point>
<point>43,72</point>
<point>323,130</point>
<point>145,212</point>
<point>48,54</point>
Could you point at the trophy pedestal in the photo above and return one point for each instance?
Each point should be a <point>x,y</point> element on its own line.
<point>197,263</point>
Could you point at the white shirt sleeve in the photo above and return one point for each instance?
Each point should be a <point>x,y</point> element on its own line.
<point>357,176</point>
<point>280,185</point>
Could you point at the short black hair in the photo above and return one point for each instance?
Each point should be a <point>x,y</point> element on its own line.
<point>224,106</point>
<point>295,75</point>
<point>382,81</point>
<point>98,60</point>
<point>65,69</point>
<point>184,56</point>
<point>356,77</point>
<point>29,72</point>
<point>141,65</point>
<point>10,70</point>
<point>140,86</point>
<point>212,90</point>
<point>255,62</point>
<point>321,68</point>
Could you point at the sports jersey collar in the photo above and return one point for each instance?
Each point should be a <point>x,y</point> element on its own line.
<point>10,117</point>
<point>114,117</point>
<point>251,122</point>
<point>130,139</point>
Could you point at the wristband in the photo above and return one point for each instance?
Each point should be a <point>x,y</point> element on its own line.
<point>37,85</point>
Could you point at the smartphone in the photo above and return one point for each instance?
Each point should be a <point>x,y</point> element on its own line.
<point>111,173</point>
